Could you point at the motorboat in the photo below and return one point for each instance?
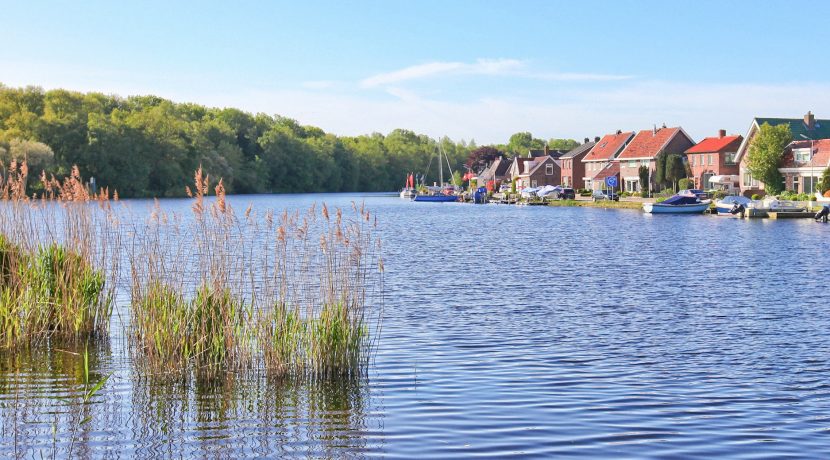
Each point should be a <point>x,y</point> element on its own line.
<point>678,204</point>
<point>725,205</point>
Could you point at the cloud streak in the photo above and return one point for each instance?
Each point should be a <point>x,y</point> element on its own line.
<point>435,69</point>
<point>503,67</point>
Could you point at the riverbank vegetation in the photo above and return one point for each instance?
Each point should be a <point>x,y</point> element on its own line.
<point>295,293</point>
<point>146,146</point>
<point>58,261</point>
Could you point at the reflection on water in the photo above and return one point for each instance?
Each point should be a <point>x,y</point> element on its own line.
<point>508,331</point>
<point>42,411</point>
<point>249,415</point>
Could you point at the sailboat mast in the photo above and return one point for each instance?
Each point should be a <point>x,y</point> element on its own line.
<point>440,168</point>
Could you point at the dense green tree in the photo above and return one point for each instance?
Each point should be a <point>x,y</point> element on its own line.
<point>562,144</point>
<point>643,172</point>
<point>765,153</point>
<point>824,183</point>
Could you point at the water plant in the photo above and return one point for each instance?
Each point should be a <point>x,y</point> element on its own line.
<point>223,292</point>
<point>57,263</point>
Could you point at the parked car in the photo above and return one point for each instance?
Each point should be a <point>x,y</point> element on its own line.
<point>567,193</point>
<point>600,195</point>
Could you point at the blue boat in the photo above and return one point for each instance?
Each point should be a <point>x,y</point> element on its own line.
<point>678,204</point>
<point>436,198</point>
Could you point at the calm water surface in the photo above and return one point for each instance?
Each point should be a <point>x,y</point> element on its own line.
<point>508,331</point>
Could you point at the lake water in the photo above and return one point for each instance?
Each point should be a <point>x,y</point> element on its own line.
<point>508,331</point>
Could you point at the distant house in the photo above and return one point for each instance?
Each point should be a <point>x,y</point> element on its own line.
<point>714,157</point>
<point>644,149</point>
<point>573,169</point>
<point>601,155</point>
<point>545,152</point>
<point>807,128</point>
<point>803,164</point>
<point>494,174</point>
<point>535,172</point>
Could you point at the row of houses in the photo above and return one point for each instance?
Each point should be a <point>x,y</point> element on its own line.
<point>717,162</point>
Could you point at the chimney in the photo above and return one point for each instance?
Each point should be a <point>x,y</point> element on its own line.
<point>619,131</point>
<point>664,124</point>
<point>596,139</point>
<point>586,140</point>
<point>722,133</point>
<point>654,131</point>
<point>810,121</point>
<point>547,149</point>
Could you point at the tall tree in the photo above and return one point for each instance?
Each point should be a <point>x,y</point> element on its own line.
<point>765,153</point>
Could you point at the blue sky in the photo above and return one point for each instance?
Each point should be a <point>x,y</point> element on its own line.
<point>471,70</point>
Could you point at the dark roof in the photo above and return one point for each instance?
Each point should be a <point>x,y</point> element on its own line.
<point>497,168</point>
<point>584,148</point>
<point>539,162</point>
<point>821,129</point>
<point>538,153</point>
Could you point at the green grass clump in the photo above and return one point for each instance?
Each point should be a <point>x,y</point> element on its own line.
<point>173,332</point>
<point>47,292</point>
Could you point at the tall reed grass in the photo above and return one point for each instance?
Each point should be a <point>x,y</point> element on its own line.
<point>297,294</point>
<point>58,260</point>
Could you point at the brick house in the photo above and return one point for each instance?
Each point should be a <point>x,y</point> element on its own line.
<point>714,157</point>
<point>602,155</point>
<point>804,163</point>
<point>807,128</point>
<point>644,149</point>
<point>535,172</point>
<point>573,169</point>
<point>494,174</point>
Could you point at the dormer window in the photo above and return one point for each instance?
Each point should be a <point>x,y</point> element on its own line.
<point>801,155</point>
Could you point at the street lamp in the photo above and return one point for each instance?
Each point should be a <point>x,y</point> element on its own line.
<point>812,173</point>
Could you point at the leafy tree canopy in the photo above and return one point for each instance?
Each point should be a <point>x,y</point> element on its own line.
<point>765,153</point>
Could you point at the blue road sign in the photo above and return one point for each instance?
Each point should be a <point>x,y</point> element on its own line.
<point>611,181</point>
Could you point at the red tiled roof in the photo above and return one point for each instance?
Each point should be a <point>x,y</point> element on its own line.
<point>821,154</point>
<point>611,170</point>
<point>717,145</point>
<point>608,146</point>
<point>647,143</point>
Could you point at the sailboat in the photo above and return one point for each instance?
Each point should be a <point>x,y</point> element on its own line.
<point>439,193</point>
<point>409,191</point>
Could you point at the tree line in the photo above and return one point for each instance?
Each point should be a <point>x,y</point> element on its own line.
<point>146,146</point>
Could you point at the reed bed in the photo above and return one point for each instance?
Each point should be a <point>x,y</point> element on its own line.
<point>59,260</point>
<point>297,294</point>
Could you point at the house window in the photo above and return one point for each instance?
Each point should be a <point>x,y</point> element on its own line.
<point>632,164</point>
<point>533,184</point>
<point>747,179</point>
<point>810,183</point>
<point>711,157</point>
<point>643,162</point>
<point>795,183</point>
<point>549,169</point>
<point>801,155</point>
<point>692,158</point>
<point>729,158</point>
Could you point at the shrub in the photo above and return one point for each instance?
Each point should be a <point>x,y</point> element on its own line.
<point>685,184</point>
<point>660,199</point>
<point>756,196</point>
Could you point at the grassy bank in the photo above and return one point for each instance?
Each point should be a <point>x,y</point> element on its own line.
<point>598,204</point>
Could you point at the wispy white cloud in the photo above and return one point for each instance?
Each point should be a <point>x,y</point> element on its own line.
<point>505,67</point>
<point>434,69</point>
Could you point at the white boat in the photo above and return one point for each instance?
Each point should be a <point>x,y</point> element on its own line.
<point>678,204</point>
<point>408,193</point>
<point>724,206</point>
